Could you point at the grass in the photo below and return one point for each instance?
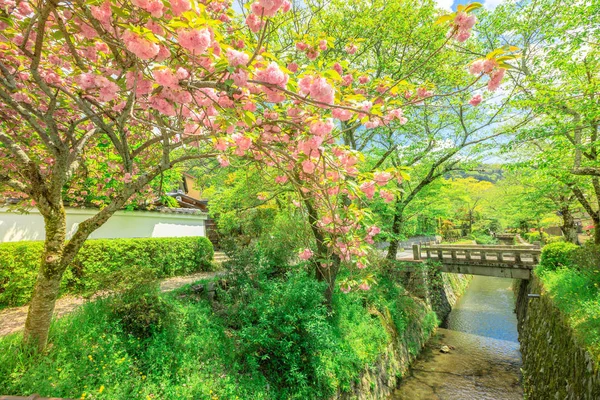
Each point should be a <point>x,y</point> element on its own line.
<point>575,294</point>
<point>277,343</point>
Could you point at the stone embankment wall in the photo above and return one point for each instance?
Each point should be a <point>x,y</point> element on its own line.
<point>434,292</point>
<point>555,365</point>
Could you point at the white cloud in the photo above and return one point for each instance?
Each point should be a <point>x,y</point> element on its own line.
<point>491,4</point>
<point>445,4</point>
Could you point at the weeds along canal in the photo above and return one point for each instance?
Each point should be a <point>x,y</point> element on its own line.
<point>483,361</point>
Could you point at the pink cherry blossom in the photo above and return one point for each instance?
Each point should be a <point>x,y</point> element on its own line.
<point>281,179</point>
<point>323,45</point>
<point>496,79</point>
<point>341,114</point>
<point>305,254</point>
<point>196,41</point>
<point>102,13</point>
<point>301,46</point>
<point>373,230</point>
<point>489,65</point>
<point>254,23</point>
<point>364,286</point>
<point>338,68</point>
<point>423,92</point>
<point>475,100</point>
<point>386,196</point>
<point>382,178</point>
<point>321,128</point>
<point>464,21</point>
<point>351,49</point>
<point>166,77</point>
<point>155,27</point>
<point>236,58</point>
<point>476,67</point>
<point>345,288</point>
<point>139,46</point>
<point>224,161</point>
<point>368,188</point>
<point>293,67</point>
<point>272,75</point>
<point>180,6</point>
<point>266,8</point>
<point>318,88</point>
<point>308,166</point>
<point>463,35</point>
<point>312,54</point>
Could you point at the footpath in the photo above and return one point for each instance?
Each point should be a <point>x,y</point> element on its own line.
<point>13,319</point>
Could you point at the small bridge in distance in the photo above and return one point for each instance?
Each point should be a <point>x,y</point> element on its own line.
<point>487,260</point>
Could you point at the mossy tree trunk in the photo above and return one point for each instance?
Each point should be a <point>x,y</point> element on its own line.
<point>397,225</point>
<point>568,228</point>
<point>327,264</point>
<point>49,276</point>
<point>58,253</point>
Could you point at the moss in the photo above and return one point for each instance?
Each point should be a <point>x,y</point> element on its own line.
<point>556,362</point>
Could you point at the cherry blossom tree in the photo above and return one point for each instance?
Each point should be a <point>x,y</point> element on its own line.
<point>117,92</point>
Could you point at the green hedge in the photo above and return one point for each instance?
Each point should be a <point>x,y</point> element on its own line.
<point>556,255</point>
<point>97,260</point>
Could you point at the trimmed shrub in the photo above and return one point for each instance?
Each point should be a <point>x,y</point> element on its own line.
<point>557,255</point>
<point>99,262</point>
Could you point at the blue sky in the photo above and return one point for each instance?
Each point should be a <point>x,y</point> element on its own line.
<point>447,4</point>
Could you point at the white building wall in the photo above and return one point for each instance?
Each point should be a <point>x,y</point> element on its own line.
<point>16,227</point>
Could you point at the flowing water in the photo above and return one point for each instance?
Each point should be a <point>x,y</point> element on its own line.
<point>484,359</point>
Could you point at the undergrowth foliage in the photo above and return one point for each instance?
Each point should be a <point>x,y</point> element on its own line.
<point>268,335</point>
<point>571,275</point>
<point>141,311</point>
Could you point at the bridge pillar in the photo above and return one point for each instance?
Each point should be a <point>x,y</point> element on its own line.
<point>416,251</point>
<point>417,282</point>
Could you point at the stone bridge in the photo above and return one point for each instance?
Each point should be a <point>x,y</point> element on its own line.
<point>488,260</point>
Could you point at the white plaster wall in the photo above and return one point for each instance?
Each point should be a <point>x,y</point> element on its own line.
<point>16,227</point>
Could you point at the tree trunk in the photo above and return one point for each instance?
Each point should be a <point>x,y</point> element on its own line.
<point>568,228</point>
<point>596,219</point>
<point>47,285</point>
<point>396,230</point>
<point>329,275</point>
<point>539,228</point>
<point>322,273</point>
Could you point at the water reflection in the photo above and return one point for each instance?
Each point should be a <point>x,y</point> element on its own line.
<point>484,359</point>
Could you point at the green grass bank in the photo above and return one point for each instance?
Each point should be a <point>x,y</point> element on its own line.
<point>266,335</point>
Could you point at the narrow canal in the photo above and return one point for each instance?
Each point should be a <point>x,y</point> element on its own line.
<point>483,360</point>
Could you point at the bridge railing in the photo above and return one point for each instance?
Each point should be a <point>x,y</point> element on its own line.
<point>516,255</point>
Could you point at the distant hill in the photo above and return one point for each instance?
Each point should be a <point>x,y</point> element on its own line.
<point>488,173</point>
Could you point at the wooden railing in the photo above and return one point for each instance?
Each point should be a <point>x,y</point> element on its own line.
<point>489,254</point>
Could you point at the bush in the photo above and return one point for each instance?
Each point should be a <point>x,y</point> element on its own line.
<point>141,311</point>
<point>557,255</point>
<point>97,262</point>
<point>482,238</point>
<point>535,236</point>
<point>282,332</point>
<point>554,239</point>
<point>587,260</point>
